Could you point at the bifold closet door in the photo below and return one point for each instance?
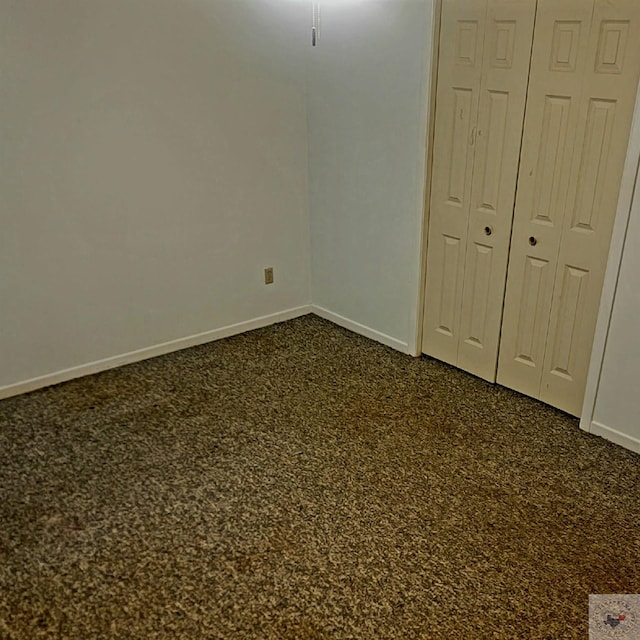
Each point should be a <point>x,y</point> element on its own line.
<point>485,50</point>
<point>457,96</point>
<point>584,76</point>
<point>503,93</point>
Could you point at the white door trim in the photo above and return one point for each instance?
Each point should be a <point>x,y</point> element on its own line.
<point>429,73</point>
<point>625,201</point>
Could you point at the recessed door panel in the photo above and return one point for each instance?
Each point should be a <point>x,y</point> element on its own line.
<point>494,151</point>
<point>565,44</point>
<point>504,43</point>
<point>571,301</point>
<point>547,186</point>
<point>458,152</point>
<point>448,294</point>
<point>535,282</point>
<point>612,46</point>
<point>480,266</point>
<point>596,149</point>
<point>467,42</point>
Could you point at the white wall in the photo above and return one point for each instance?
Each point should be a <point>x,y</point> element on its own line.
<point>153,160</point>
<point>367,133</point>
<point>617,408</point>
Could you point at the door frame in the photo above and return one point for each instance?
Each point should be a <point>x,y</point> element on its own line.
<point>415,330</point>
<point>621,222</point>
<point>614,260</point>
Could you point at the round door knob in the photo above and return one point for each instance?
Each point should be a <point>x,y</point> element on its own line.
<point>532,241</point>
<point>488,231</point>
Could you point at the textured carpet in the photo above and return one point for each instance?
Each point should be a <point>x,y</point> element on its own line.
<point>301,482</point>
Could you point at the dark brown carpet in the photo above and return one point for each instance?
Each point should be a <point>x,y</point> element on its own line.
<point>301,482</point>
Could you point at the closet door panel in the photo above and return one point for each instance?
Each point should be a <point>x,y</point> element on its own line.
<point>458,88</point>
<point>558,65</point>
<point>505,74</point>
<point>609,95</point>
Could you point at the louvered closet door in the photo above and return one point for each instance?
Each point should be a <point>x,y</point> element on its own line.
<point>585,65</point>
<point>485,48</point>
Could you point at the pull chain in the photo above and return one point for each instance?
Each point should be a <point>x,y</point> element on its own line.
<point>315,24</point>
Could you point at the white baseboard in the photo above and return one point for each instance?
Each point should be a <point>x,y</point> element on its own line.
<point>150,352</point>
<point>624,440</point>
<point>361,329</point>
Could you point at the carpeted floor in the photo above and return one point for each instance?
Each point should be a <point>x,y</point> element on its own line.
<point>301,482</point>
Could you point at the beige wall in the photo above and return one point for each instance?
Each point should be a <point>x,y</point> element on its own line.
<point>367,134</point>
<point>153,160</point>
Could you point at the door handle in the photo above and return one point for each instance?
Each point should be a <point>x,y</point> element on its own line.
<point>488,231</point>
<point>533,241</point>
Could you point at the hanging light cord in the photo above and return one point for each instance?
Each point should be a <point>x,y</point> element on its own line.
<point>315,24</point>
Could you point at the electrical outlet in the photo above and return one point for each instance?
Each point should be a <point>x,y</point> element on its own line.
<point>268,275</point>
